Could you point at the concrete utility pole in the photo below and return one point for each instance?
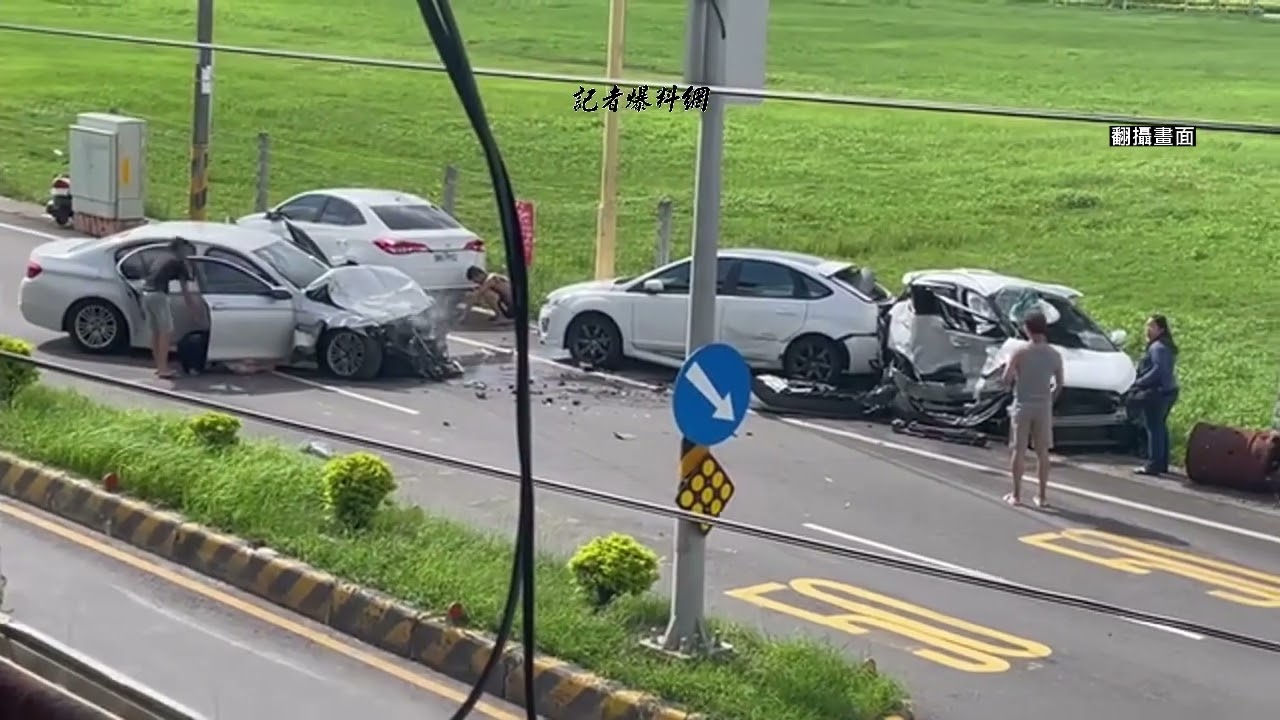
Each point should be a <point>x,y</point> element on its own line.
<point>687,630</point>
<point>202,110</point>
<point>607,219</point>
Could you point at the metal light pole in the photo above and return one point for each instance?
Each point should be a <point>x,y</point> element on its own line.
<point>607,218</point>
<point>202,109</point>
<point>687,630</point>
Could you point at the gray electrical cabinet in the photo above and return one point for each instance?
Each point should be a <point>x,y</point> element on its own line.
<point>108,166</point>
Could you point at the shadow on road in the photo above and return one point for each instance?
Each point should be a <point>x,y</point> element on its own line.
<point>1113,526</point>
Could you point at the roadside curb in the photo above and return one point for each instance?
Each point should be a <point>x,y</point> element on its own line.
<point>564,691</point>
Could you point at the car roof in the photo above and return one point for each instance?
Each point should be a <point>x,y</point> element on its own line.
<point>986,282</point>
<point>374,196</point>
<point>235,237</point>
<point>787,257</point>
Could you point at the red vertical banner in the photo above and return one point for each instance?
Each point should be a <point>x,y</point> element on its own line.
<point>525,211</point>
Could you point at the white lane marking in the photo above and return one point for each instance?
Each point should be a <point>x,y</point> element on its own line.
<point>1069,489</point>
<point>498,349</point>
<point>190,622</point>
<point>346,393</point>
<point>885,547</point>
<point>34,233</point>
<point>943,564</point>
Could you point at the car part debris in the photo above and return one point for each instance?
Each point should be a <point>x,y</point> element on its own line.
<point>806,397</point>
<point>386,307</point>
<point>1227,457</point>
<point>961,436</point>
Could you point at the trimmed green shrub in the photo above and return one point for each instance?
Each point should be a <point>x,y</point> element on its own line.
<point>14,375</point>
<point>215,429</point>
<point>613,565</point>
<point>355,486</point>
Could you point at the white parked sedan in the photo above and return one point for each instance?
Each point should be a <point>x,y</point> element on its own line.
<point>382,227</point>
<point>808,317</point>
<point>267,299</point>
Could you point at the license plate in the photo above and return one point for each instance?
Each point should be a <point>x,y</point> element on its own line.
<point>446,256</point>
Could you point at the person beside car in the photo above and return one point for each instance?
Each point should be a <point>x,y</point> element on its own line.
<point>492,292</point>
<point>171,267</point>
<point>1036,372</point>
<point>1155,392</point>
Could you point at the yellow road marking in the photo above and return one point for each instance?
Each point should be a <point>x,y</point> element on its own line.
<point>964,646</point>
<point>322,639</point>
<point>1232,583</point>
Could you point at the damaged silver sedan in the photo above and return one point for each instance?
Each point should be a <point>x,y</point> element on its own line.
<point>946,341</point>
<point>266,301</point>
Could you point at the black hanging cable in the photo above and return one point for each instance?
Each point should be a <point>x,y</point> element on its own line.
<point>443,28</point>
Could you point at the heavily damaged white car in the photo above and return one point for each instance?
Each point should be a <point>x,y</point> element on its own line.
<point>267,300</point>
<point>951,332</point>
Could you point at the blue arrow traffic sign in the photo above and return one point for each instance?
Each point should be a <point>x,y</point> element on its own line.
<point>712,393</point>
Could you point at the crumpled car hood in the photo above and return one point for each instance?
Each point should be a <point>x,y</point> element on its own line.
<point>376,294</point>
<point>1084,369</point>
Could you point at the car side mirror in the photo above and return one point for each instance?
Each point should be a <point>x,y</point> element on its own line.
<point>279,293</point>
<point>1119,337</point>
<point>653,286</point>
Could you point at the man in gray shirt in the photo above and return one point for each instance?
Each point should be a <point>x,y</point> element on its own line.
<point>1036,373</point>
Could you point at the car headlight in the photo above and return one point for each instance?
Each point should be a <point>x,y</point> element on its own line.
<point>550,302</point>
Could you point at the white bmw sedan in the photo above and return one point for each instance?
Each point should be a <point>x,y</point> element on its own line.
<point>369,226</point>
<point>803,315</point>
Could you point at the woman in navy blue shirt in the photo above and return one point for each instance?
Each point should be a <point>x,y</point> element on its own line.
<point>1156,391</point>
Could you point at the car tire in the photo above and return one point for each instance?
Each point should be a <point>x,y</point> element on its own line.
<point>815,358</point>
<point>593,339</point>
<point>97,327</point>
<point>349,355</point>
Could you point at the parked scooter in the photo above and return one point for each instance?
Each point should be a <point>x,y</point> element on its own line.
<point>59,205</point>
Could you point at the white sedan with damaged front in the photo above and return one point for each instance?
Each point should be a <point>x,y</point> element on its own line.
<point>951,333</point>
<point>803,315</point>
<point>267,299</point>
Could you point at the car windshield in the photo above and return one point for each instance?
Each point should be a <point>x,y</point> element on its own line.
<point>414,217</point>
<point>299,268</point>
<point>1071,328</point>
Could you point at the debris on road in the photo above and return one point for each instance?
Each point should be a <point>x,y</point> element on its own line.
<point>623,436</point>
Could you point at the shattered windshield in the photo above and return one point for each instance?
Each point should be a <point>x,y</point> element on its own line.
<point>1069,326</point>
<point>296,266</point>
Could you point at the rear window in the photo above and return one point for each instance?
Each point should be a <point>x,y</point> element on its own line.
<point>415,217</point>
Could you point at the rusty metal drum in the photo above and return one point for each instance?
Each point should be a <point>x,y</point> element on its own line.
<point>1228,457</point>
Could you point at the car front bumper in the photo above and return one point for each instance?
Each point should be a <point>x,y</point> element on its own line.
<point>550,327</point>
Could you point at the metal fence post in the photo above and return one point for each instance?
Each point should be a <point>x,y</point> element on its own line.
<point>449,189</point>
<point>261,199</point>
<point>662,250</point>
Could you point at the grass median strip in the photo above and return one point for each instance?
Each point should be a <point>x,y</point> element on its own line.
<point>271,493</point>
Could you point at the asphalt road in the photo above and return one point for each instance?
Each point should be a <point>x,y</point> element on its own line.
<point>212,649</point>
<point>965,653</point>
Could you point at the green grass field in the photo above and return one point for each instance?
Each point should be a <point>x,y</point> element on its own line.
<point>1188,232</point>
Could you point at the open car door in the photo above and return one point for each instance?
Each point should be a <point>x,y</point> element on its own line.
<point>304,242</point>
<point>951,340</point>
<point>133,268</point>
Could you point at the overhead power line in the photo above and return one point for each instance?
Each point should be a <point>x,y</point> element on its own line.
<point>598,80</point>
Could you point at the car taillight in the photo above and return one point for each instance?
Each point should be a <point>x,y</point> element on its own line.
<point>400,247</point>
<point>33,269</point>
<point>474,245</point>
